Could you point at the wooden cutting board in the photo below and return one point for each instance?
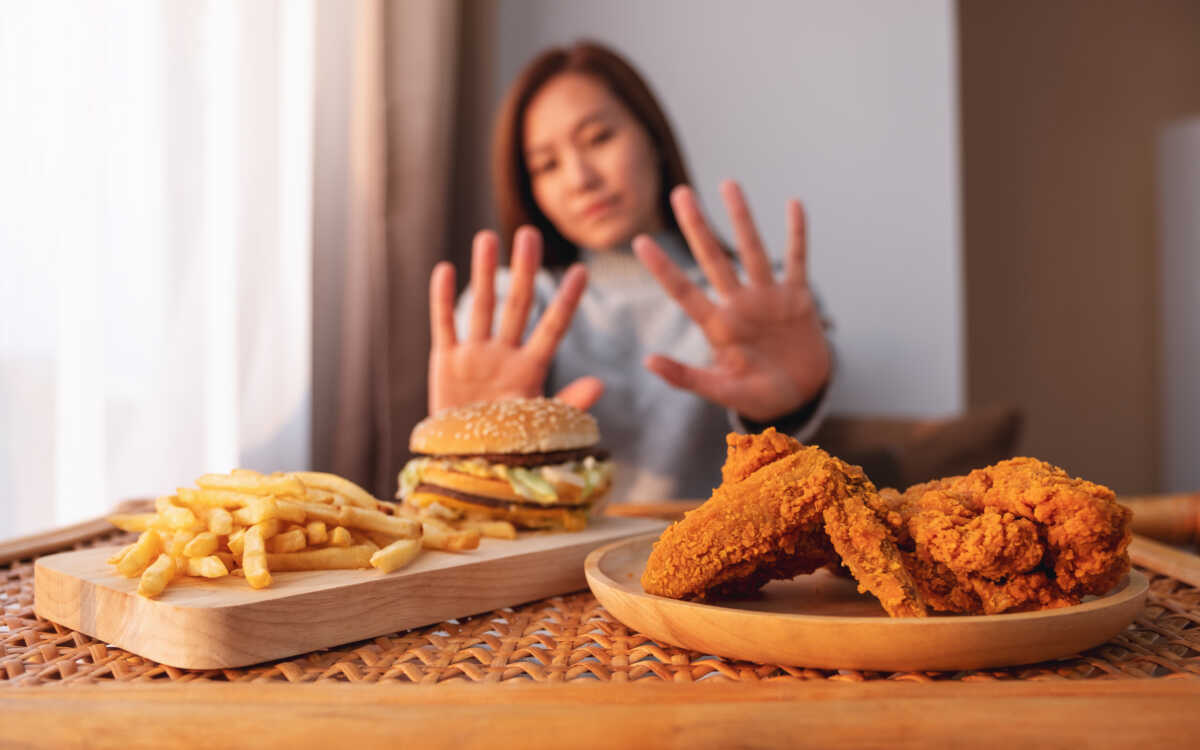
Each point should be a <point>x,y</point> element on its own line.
<point>210,624</point>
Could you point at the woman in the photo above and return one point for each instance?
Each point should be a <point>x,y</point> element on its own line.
<point>587,173</point>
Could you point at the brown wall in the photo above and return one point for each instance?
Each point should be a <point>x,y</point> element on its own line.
<point>1061,105</point>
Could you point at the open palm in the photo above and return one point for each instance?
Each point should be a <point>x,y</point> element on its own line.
<point>483,366</point>
<point>769,354</point>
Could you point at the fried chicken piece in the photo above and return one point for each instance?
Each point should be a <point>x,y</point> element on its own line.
<point>747,454</point>
<point>868,549</point>
<point>1019,535</point>
<point>750,531</point>
<point>783,510</point>
<point>1012,543</point>
<point>797,553</point>
<point>945,591</point>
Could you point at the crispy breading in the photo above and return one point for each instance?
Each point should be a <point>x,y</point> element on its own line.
<point>868,549</point>
<point>993,544</point>
<point>782,510</point>
<point>743,531</point>
<point>747,454</point>
<point>1019,535</point>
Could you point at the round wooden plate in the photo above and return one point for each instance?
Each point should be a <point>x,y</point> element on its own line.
<point>821,621</point>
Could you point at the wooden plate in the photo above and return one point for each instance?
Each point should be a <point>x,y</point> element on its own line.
<point>821,621</point>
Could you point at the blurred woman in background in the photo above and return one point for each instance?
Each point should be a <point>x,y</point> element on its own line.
<point>592,188</point>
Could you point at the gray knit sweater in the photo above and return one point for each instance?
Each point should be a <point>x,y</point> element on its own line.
<point>667,443</point>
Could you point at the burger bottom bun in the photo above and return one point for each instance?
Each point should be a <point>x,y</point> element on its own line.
<point>557,518</point>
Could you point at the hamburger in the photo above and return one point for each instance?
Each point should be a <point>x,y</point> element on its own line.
<point>533,462</point>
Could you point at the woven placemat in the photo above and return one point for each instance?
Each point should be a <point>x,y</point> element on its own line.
<point>563,638</point>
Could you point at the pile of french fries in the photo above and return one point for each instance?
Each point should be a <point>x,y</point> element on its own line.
<point>249,524</point>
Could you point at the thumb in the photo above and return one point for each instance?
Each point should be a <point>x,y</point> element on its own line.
<point>582,393</point>
<point>701,382</point>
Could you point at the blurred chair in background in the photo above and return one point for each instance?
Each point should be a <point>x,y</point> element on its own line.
<point>898,452</point>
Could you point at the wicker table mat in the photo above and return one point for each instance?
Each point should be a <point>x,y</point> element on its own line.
<point>559,639</point>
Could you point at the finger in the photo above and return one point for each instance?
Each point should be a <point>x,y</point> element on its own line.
<point>797,253</point>
<point>686,377</point>
<point>526,259</point>
<point>690,297</point>
<point>441,306</point>
<point>582,393</point>
<point>483,285</point>
<point>702,241</point>
<point>557,318</point>
<point>750,247</point>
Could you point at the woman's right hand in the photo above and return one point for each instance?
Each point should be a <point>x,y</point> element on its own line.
<point>483,366</point>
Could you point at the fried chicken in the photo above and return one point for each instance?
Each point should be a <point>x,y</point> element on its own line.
<point>1019,535</point>
<point>783,509</point>
<point>869,550</point>
<point>746,454</point>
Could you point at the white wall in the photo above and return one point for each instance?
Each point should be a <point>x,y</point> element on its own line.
<point>1179,233</point>
<point>851,106</point>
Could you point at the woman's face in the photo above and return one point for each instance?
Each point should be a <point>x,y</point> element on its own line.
<point>592,166</point>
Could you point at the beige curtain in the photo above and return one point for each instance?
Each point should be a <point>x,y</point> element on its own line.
<point>401,162</point>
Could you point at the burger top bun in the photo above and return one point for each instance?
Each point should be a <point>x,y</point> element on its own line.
<point>523,425</point>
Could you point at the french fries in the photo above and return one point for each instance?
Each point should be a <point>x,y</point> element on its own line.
<point>339,487</point>
<point>119,554</point>
<point>254,559</point>
<point>442,525</point>
<point>253,484</point>
<point>144,551</point>
<point>132,521</point>
<point>220,521</point>
<point>289,541</point>
<point>316,533</point>
<point>156,577</point>
<point>249,525</point>
<point>329,558</point>
<point>396,555</point>
<point>201,545</point>
<point>441,535</point>
<point>340,537</point>
<point>206,567</point>
<point>493,529</point>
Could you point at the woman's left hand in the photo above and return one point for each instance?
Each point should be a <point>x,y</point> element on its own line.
<point>770,356</point>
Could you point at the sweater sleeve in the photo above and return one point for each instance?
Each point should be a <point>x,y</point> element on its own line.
<point>801,424</point>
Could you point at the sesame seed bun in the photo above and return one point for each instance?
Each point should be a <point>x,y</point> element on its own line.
<point>523,425</point>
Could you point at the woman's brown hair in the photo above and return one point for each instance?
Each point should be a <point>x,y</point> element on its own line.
<point>515,205</point>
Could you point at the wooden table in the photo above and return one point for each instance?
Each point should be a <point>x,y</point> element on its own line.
<point>1094,714</point>
<point>157,708</point>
